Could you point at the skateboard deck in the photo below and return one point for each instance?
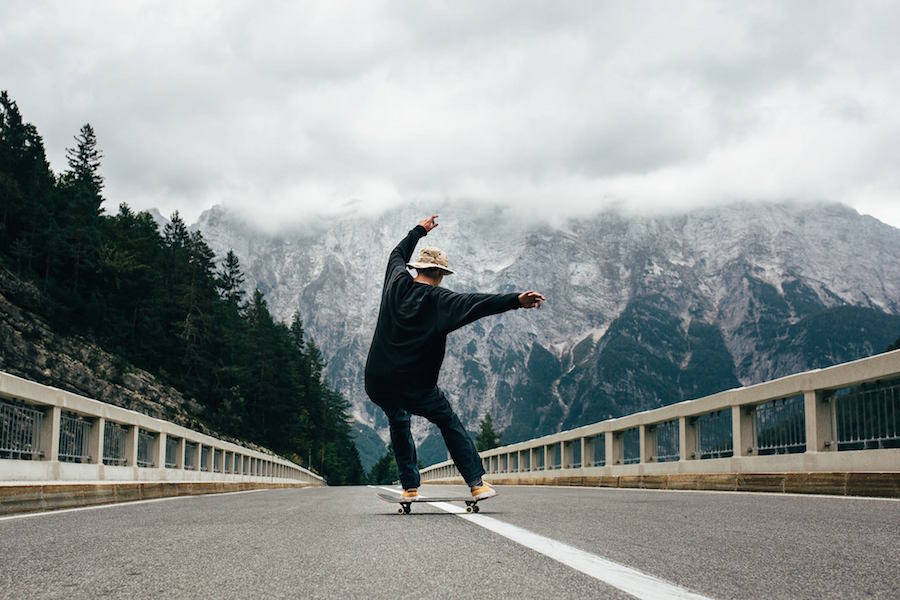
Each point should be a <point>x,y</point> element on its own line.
<point>471,505</point>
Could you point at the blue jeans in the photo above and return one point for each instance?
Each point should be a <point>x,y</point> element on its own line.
<point>433,406</point>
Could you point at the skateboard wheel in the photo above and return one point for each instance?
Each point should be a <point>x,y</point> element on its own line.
<point>401,511</point>
<point>470,509</point>
<point>476,509</point>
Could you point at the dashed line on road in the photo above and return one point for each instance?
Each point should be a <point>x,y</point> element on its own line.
<point>629,580</point>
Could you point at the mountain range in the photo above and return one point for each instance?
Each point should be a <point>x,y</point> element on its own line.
<point>642,311</point>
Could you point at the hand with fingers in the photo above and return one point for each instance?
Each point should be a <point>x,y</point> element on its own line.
<point>429,223</point>
<point>531,299</point>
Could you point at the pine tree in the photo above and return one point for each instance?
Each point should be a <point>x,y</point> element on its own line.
<point>487,438</point>
<point>26,190</point>
<point>231,280</point>
<point>82,186</point>
<point>298,334</point>
<point>84,167</point>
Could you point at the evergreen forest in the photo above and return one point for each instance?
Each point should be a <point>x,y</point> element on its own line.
<point>161,302</point>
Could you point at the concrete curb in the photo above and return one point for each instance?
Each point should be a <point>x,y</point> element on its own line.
<point>882,485</point>
<point>27,498</point>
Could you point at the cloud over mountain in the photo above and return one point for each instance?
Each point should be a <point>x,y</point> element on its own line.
<point>298,108</point>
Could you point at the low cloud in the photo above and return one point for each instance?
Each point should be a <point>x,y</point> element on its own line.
<point>319,108</point>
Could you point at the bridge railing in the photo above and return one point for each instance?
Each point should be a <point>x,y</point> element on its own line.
<point>844,419</point>
<point>48,434</point>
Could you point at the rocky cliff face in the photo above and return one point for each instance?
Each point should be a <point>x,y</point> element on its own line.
<point>642,311</point>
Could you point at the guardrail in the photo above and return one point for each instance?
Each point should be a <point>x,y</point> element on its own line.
<point>842,419</point>
<point>48,434</point>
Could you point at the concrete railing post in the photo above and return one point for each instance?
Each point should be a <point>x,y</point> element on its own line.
<point>50,434</point>
<point>198,458</point>
<point>742,441</point>
<point>686,437</point>
<point>95,446</point>
<point>587,451</point>
<point>131,446</point>
<point>159,451</point>
<point>647,441</point>
<point>820,422</point>
<point>179,454</point>
<point>615,449</point>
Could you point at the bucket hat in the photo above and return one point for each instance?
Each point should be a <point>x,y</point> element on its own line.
<point>432,258</point>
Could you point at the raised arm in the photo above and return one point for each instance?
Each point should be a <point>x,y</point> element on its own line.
<point>401,254</point>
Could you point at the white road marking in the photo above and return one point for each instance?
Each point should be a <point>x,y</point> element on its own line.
<point>126,503</point>
<point>629,580</point>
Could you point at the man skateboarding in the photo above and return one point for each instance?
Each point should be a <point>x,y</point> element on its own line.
<point>407,350</point>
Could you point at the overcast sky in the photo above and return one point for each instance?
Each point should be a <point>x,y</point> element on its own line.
<point>286,108</point>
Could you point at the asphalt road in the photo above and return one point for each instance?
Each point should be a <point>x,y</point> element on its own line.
<point>346,543</point>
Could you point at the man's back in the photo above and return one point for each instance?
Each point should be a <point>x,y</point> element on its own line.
<point>414,320</point>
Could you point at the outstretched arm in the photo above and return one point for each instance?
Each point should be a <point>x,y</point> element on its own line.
<point>458,310</point>
<point>403,252</point>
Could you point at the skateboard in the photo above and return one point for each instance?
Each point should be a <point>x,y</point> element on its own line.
<point>405,505</point>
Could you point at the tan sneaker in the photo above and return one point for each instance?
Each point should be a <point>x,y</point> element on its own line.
<point>410,494</point>
<point>483,491</point>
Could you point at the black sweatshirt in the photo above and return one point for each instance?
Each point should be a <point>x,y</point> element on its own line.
<point>413,322</point>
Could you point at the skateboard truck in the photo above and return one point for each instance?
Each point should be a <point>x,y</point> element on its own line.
<point>406,507</point>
